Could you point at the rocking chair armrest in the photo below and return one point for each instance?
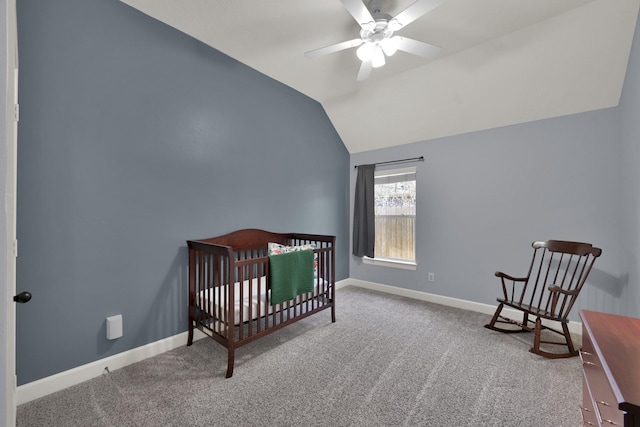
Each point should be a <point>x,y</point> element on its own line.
<point>555,296</point>
<point>502,275</point>
<point>555,288</point>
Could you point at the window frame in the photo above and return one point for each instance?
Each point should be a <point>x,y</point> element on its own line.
<point>394,262</point>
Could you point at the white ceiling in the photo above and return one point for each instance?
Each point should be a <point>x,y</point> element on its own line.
<point>502,61</point>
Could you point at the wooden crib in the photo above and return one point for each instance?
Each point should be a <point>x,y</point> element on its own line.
<point>229,286</point>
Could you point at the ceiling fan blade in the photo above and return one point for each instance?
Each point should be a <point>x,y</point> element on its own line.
<point>416,47</point>
<point>358,10</point>
<point>415,11</point>
<point>365,71</point>
<point>333,48</point>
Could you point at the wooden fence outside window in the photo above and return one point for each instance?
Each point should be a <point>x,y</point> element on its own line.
<point>395,236</point>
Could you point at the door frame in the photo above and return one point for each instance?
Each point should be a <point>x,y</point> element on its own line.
<point>10,193</point>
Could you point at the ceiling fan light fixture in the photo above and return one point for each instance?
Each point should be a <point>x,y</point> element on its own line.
<point>369,26</point>
<point>365,52</point>
<point>394,25</point>
<point>390,45</point>
<point>377,58</point>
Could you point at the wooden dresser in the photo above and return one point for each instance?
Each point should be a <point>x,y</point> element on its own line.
<point>611,364</point>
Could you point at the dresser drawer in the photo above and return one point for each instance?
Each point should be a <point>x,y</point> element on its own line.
<point>604,400</point>
<point>597,383</point>
<point>589,417</point>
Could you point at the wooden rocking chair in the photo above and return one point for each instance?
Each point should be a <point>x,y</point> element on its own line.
<point>557,273</point>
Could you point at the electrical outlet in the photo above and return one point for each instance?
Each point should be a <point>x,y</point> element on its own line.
<point>431,277</point>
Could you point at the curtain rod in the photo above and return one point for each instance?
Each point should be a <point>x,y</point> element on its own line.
<point>413,159</point>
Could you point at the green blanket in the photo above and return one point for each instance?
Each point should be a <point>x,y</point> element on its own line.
<point>290,274</point>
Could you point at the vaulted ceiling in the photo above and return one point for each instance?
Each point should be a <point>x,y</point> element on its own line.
<point>502,61</point>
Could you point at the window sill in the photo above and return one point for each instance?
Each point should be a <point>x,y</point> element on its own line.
<point>393,263</point>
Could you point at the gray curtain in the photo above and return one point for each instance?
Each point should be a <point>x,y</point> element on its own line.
<point>364,235</point>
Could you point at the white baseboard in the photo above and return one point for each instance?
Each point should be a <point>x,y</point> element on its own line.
<point>343,283</point>
<point>574,327</point>
<point>45,386</point>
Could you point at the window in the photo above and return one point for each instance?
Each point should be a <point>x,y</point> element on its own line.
<point>395,216</point>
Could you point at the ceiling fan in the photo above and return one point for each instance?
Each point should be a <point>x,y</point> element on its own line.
<point>377,38</point>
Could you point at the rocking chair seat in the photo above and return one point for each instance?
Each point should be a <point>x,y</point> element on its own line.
<point>556,275</point>
<point>531,310</point>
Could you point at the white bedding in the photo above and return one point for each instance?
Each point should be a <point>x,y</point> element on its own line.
<point>255,301</point>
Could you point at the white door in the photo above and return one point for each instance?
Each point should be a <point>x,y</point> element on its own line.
<point>10,204</point>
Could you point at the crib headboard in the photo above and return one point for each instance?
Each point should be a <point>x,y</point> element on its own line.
<point>253,238</point>
<point>250,238</point>
<point>239,248</point>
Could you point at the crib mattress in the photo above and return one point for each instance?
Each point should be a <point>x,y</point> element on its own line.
<point>254,302</point>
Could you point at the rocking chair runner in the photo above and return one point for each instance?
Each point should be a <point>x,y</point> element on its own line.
<point>557,273</point>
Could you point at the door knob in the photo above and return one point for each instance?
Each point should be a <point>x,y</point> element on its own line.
<point>22,297</point>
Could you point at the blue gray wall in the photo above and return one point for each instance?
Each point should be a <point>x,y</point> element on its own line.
<point>484,197</point>
<point>134,138</point>
<point>630,207</point>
